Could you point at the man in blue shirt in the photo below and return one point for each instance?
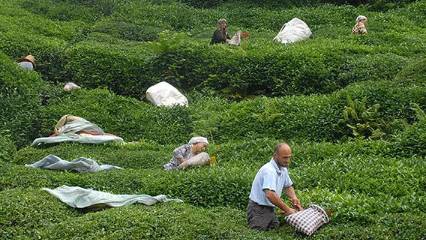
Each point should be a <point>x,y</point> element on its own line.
<point>266,191</point>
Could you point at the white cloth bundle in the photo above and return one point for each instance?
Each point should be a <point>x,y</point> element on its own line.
<point>164,94</point>
<point>80,164</point>
<point>78,197</point>
<point>200,159</point>
<point>69,86</point>
<point>235,40</point>
<point>293,31</point>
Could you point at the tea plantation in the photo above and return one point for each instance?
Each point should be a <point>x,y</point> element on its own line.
<point>352,108</point>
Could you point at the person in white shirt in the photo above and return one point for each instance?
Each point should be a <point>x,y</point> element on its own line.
<point>266,191</point>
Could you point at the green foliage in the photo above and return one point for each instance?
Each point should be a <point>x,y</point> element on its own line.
<point>131,155</point>
<point>7,147</point>
<point>124,117</point>
<point>374,187</point>
<point>102,65</point>
<point>314,118</point>
<point>20,101</point>
<point>363,121</point>
<point>414,73</point>
<point>24,214</point>
<point>411,142</point>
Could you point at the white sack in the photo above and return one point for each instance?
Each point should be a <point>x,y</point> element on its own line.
<point>200,159</point>
<point>78,197</point>
<point>235,40</point>
<point>69,86</point>
<point>80,164</point>
<point>164,94</point>
<point>293,31</point>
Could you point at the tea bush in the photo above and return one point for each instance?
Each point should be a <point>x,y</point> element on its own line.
<point>24,212</point>
<point>21,101</point>
<point>131,155</point>
<point>7,148</point>
<point>412,140</point>
<point>125,117</point>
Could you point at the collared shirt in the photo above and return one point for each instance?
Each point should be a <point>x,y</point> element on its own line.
<point>184,152</point>
<point>271,177</point>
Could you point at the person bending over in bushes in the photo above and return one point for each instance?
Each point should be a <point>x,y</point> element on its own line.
<point>359,27</point>
<point>266,190</point>
<point>27,62</point>
<point>191,154</point>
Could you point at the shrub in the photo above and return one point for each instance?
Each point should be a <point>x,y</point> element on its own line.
<point>20,93</point>
<point>128,31</point>
<point>414,73</point>
<point>7,148</point>
<point>125,117</point>
<point>26,211</point>
<point>132,155</point>
<point>412,140</point>
<point>94,65</point>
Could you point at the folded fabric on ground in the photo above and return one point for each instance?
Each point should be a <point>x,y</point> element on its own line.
<point>95,139</point>
<point>78,197</point>
<point>80,164</point>
<point>76,129</point>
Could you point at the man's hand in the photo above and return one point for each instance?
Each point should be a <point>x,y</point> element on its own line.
<point>288,211</point>
<point>296,204</point>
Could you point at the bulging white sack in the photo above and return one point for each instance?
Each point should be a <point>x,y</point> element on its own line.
<point>293,31</point>
<point>164,94</point>
<point>235,40</point>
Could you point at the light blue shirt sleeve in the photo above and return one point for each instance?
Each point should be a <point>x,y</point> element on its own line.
<point>269,181</point>
<point>287,180</point>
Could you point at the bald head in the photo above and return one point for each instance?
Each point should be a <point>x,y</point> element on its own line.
<point>282,154</point>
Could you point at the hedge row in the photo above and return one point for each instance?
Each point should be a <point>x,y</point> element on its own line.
<point>324,64</point>
<point>375,4</point>
<point>37,214</point>
<point>246,153</point>
<point>314,118</point>
<point>125,117</point>
<point>398,182</point>
<point>272,70</point>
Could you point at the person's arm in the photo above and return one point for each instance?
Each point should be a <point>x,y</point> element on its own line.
<point>277,201</point>
<point>291,194</point>
<point>178,154</point>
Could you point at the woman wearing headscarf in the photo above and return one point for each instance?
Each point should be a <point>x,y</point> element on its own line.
<point>221,33</point>
<point>359,27</point>
<point>190,154</point>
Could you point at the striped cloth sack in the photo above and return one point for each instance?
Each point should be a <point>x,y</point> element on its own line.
<point>308,220</point>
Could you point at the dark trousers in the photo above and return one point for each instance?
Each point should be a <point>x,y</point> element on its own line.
<point>261,217</point>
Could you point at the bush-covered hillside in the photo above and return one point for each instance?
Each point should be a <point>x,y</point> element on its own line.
<point>352,108</point>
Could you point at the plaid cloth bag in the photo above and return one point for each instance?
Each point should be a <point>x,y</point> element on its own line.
<point>308,220</point>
